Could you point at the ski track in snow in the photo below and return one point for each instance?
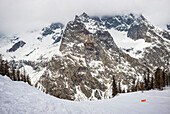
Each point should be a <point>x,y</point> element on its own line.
<point>20,98</point>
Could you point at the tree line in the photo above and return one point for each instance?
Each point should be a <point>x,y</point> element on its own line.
<point>159,80</point>
<point>12,72</point>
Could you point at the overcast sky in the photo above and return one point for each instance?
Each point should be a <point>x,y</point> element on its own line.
<point>28,14</point>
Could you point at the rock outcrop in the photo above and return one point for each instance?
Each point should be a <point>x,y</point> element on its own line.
<point>90,60</point>
<point>16,46</point>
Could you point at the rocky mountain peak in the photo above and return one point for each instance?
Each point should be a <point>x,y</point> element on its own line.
<point>138,31</point>
<point>52,28</point>
<point>120,22</point>
<point>85,25</point>
<point>90,59</point>
<point>84,15</point>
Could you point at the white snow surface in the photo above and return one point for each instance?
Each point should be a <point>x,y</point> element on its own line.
<point>20,98</point>
<point>34,49</point>
<point>122,41</point>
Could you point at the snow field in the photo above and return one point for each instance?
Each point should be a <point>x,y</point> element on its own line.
<point>19,97</point>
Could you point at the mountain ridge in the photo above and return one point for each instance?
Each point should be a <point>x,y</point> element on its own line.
<point>79,62</point>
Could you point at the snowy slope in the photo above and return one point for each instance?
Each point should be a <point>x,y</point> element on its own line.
<point>19,97</point>
<point>126,43</point>
<point>39,44</point>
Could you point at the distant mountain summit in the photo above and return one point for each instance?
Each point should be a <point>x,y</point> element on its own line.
<point>120,22</point>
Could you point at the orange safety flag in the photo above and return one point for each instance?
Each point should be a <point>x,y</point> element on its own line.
<point>143,100</point>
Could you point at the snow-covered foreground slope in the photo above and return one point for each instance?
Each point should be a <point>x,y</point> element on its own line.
<point>20,98</point>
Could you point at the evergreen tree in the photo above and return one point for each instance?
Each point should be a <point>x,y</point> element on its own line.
<point>1,64</point>
<point>151,83</point>
<point>148,79</point>
<point>119,89</point>
<point>137,86</point>
<point>24,75</point>
<point>2,67</point>
<point>29,80</point>
<point>133,88</point>
<point>14,74</point>
<point>24,78</point>
<point>6,70</point>
<point>18,75</point>
<point>142,86</point>
<point>167,79</point>
<point>158,79</point>
<point>163,76</point>
<point>114,87</point>
<point>145,81</point>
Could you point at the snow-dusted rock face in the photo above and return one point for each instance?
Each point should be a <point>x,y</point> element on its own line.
<point>150,44</point>
<point>90,59</point>
<point>79,63</point>
<point>32,45</point>
<point>16,46</point>
<point>119,22</point>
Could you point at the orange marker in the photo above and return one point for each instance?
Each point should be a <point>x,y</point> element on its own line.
<point>143,100</point>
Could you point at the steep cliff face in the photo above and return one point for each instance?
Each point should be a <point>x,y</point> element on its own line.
<point>90,59</point>
<point>157,54</point>
<point>120,22</point>
<point>156,46</point>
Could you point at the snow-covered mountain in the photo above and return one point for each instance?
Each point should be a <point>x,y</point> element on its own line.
<point>80,60</point>
<point>19,97</point>
<point>32,49</point>
<point>33,45</point>
<point>119,22</point>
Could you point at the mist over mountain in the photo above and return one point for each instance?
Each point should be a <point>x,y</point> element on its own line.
<point>21,15</point>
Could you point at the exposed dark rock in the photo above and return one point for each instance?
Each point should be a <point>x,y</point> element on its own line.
<point>57,40</point>
<point>137,31</point>
<point>47,31</point>
<point>14,39</point>
<point>110,22</point>
<point>119,22</point>
<point>166,34</point>
<point>128,50</point>
<point>16,46</point>
<point>50,30</point>
<point>97,95</point>
<point>55,26</point>
<point>138,52</point>
<point>30,52</point>
<point>168,26</point>
<point>98,47</point>
<point>96,18</point>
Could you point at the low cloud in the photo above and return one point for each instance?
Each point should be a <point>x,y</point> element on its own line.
<point>21,15</point>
